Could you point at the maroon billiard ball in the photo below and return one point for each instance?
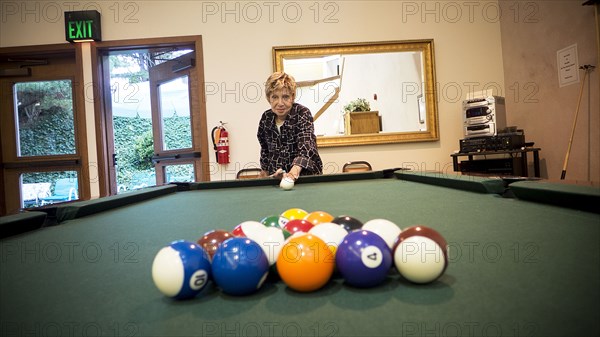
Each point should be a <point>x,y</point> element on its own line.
<point>421,254</point>
<point>211,240</point>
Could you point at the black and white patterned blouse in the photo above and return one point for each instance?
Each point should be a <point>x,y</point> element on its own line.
<point>294,144</point>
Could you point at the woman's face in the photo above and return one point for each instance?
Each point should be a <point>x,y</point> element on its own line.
<point>281,101</point>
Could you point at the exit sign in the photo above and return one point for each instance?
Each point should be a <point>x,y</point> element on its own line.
<point>82,26</point>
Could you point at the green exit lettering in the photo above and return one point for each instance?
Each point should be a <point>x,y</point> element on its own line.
<point>80,29</point>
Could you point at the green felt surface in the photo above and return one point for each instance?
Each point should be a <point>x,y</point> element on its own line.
<point>516,268</point>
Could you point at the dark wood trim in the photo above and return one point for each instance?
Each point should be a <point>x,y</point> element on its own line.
<point>99,79</point>
<point>37,51</point>
<point>2,190</point>
<point>42,164</point>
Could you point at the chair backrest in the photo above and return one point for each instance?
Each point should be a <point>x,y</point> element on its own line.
<point>65,186</point>
<point>357,166</point>
<point>249,173</point>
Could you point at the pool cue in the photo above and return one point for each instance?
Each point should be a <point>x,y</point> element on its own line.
<point>587,69</point>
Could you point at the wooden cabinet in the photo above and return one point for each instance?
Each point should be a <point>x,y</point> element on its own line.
<point>362,122</point>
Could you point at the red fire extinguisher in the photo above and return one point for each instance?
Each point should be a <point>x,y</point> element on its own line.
<point>220,139</point>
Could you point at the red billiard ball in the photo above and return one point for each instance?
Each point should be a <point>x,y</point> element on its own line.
<point>421,254</point>
<point>298,225</point>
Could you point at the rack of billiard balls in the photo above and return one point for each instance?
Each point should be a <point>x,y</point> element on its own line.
<point>304,250</point>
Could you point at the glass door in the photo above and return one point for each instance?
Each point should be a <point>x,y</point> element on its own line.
<point>174,156</point>
<point>153,116</point>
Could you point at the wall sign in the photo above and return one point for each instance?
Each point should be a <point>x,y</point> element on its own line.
<point>82,26</point>
<point>568,65</point>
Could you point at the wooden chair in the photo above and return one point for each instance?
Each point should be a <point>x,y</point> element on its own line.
<point>357,166</point>
<point>248,173</point>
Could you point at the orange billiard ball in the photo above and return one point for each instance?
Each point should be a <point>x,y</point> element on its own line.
<point>305,263</point>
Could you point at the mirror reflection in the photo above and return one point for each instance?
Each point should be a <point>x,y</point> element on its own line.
<point>365,93</point>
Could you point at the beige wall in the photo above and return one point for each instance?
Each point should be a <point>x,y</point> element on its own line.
<point>534,100</point>
<point>237,56</point>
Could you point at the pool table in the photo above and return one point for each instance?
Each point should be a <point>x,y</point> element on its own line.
<point>518,266</point>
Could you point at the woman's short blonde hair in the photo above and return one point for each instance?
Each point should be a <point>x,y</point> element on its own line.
<point>280,80</point>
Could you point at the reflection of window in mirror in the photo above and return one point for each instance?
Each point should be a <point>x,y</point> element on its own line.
<point>326,84</point>
<point>422,112</point>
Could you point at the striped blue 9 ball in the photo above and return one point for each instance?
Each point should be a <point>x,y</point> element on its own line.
<point>239,266</point>
<point>181,270</point>
<point>363,259</point>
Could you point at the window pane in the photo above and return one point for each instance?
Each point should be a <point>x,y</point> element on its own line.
<point>44,114</point>
<point>175,114</point>
<point>180,173</point>
<point>42,188</point>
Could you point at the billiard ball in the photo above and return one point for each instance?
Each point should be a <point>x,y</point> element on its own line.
<point>349,223</point>
<point>318,217</point>
<point>240,266</point>
<point>271,240</point>
<point>247,227</point>
<point>286,183</point>
<point>211,240</point>
<point>294,213</point>
<point>332,234</point>
<point>305,263</point>
<point>421,254</point>
<point>388,230</point>
<point>363,259</point>
<point>274,221</point>
<point>181,270</point>
<point>298,225</point>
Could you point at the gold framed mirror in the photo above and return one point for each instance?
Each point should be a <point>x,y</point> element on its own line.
<point>393,80</point>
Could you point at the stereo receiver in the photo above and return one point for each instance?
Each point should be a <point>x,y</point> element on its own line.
<point>484,116</point>
<point>501,142</point>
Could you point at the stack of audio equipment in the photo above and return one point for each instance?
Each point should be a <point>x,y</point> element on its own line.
<point>502,142</point>
<point>483,116</point>
<point>484,120</point>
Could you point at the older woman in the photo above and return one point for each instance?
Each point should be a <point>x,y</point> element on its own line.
<point>288,145</point>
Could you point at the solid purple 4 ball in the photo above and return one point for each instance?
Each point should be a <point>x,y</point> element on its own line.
<point>363,259</point>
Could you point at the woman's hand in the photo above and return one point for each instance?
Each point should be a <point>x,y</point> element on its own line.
<point>294,173</point>
<point>278,174</point>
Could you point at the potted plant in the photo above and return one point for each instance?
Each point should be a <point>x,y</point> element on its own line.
<point>359,104</point>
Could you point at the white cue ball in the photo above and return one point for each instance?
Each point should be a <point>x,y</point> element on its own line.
<point>286,184</point>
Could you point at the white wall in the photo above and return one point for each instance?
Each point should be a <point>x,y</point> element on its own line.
<point>537,103</point>
<point>238,37</point>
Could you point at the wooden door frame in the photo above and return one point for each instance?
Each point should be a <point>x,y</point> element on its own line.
<point>103,134</point>
<point>14,166</point>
